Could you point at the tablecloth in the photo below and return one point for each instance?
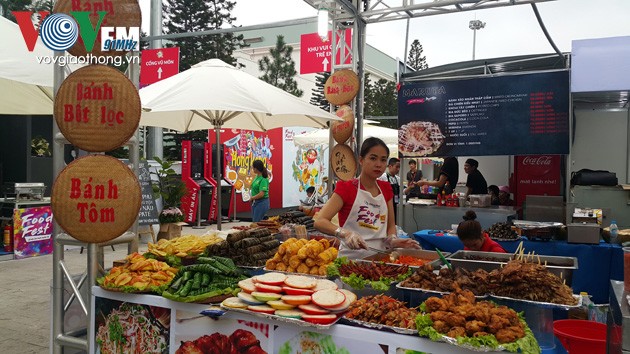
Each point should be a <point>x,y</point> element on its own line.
<point>597,264</point>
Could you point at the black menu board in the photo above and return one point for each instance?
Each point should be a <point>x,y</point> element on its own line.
<point>148,211</point>
<point>505,115</point>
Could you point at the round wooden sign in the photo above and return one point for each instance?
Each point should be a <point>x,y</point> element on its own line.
<point>97,108</point>
<point>96,198</point>
<point>114,14</point>
<point>341,87</point>
<point>343,162</point>
<point>342,131</point>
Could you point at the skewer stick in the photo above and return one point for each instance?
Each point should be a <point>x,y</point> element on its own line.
<point>539,260</point>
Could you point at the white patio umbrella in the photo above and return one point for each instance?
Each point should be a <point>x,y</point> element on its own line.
<point>214,95</point>
<point>26,85</point>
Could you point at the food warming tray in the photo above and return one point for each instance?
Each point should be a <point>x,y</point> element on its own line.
<point>560,266</point>
<point>431,255</point>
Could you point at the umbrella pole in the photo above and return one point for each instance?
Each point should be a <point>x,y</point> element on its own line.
<point>217,160</point>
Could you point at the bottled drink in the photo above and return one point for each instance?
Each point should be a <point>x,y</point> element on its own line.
<point>614,232</point>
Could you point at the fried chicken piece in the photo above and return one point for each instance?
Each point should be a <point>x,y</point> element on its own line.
<point>510,334</point>
<point>466,310</point>
<point>457,332</point>
<point>475,326</point>
<point>497,323</point>
<point>480,334</point>
<point>465,297</point>
<point>454,320</point>
<point>436,304</point>
<point>439,315</point>
<point>441,326</point>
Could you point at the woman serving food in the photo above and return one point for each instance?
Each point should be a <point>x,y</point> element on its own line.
<point>365,207</point>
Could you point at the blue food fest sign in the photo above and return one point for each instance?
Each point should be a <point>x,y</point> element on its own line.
<point>505,115</point>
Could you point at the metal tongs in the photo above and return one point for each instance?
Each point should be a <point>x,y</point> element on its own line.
<point>443,259</point>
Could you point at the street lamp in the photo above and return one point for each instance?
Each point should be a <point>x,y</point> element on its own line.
<point>322,21</point>
<point>475,25</point>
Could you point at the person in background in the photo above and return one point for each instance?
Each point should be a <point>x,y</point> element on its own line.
<point>449,175</point>
<point>391,176</point>
<point>504,196</point>
<point>493,190</point>
<point>475,182</point>
<point>260,191</point>
<point>365,206</point>
<point>310,202</point>
<point>470,233</point>
<point>413,177</point>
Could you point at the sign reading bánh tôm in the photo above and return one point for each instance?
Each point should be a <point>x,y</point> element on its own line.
<point>97,108</point>
<point>96,198</point>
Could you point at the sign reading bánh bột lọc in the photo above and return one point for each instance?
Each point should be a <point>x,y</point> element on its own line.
<point>96,198</point>
<point>97,108</point>
<point>341,87</point>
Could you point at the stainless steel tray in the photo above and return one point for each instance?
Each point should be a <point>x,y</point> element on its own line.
<point>380,326</point>
<point>430,255</point>
<point>560,266</point>
<point>283,319</point>
<point>541,304</point>
<point>436,292</point>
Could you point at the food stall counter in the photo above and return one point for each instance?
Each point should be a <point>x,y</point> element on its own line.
<point>597,263</point>
<point>421,216</point>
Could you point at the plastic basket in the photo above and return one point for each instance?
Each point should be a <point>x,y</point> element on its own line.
<point>581,336</point>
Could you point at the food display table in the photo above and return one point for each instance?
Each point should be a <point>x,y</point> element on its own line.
<point>173,323</point>
<point>420,217</point>
<point>597,263</point>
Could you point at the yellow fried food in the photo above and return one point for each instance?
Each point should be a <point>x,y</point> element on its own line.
<point>294,261</point>
<point>281,267</point>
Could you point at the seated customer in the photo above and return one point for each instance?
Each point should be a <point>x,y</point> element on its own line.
<point>504,196</point>
<point>493,190</point>
<point>474,239</point>
<point>307,205</point>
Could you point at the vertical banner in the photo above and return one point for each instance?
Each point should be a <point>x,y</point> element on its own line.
<point>536,175</point>
<point>32,231</point>
<point>240,152</point>
<point>190,201</point>
<point>308,167</point>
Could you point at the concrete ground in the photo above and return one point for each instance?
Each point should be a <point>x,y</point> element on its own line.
<point>25,293</point>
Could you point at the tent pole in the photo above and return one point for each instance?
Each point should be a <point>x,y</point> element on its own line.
<point>217,129</point>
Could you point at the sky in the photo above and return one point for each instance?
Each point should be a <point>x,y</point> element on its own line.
<point>511,30</point>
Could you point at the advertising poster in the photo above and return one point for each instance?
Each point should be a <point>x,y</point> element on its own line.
<point>240,152</point>
<point>291,340</point>
<point>307,167</point>
<point>537,175</point>
<point>200,334</point>
<point>504,115</point>
<point>125,327</point>
<point>32,232</point>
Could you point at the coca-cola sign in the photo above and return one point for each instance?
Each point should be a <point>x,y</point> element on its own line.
<point>544,160</point>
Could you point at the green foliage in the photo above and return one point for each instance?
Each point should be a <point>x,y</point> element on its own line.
<point>180,16</point>
<point>172,141</point>
<point>8,6</point>
<point>169,185</point>
<point>416,60</point>
<point>279,70</point>
<point>318,99</point>
<point>381,99</point>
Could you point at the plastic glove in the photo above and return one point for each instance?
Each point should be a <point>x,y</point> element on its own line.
<point>395,242</point>
<point>352,239</point>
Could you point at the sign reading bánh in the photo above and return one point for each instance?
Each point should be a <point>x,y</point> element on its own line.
<point>96,198</point>
<point>342,131</point>
<point>106,27</point>
<point>341,87</point>
<point>343,162</point>
<point>97,108</point>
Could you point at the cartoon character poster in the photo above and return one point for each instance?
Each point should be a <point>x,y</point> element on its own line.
<point>240,152</point>
<point>308,167</point>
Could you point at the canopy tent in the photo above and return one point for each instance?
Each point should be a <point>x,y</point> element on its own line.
<point>26,85</point>
<point>214,95</point>
<point>320,137</point>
